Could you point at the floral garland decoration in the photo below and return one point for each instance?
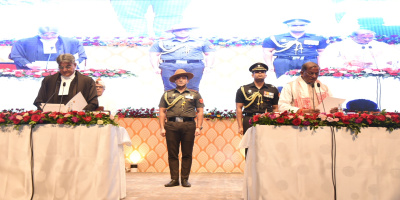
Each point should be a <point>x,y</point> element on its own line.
<point>40,73</point>
<point>153,113</point>
<point>219,114</point>
<point>73,118</point>
<point>353,73</point>
<point>137,113</point>
<point>354,122</point>
<point>218,41</point>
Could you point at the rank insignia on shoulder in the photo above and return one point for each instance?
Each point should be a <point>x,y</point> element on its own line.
<point>193,90</point>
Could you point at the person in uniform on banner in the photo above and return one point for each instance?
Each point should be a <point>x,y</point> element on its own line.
<point>293,49</point>
<point>182,52</point>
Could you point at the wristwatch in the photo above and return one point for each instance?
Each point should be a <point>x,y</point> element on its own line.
<point>201,127</point>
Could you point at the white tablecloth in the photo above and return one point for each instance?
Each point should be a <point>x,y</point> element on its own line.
<point>69,162</point>
<point>292,163</point>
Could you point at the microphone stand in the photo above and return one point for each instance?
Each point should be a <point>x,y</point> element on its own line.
<point>55,91</point>
<point>320,94</point>
<point>378,81</point>
<point>333,149</point>
<point>59,109</point>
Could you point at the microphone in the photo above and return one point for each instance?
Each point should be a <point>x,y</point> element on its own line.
<point>320,93</point>
<point>313,102</point>
<point>64,83</point>
<point>55,91</point>
<point>48,59</point>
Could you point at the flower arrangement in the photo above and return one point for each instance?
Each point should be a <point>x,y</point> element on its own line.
<point>137,113</point>
<point>40,73</point>
<point>219,114</point>
<point>153,113</point>
<point>353,73</point>
<point>218,41</point>
<point>354,122</point>
<point>74,118</point>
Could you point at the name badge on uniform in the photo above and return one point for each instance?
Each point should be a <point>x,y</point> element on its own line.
<point>283,40</point>
<point>189,96</point>
<point>268,94</point>
<point>311,42</point>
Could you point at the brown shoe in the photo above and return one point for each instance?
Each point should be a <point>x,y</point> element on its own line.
<point>172,183</point>
<point>185,183</point>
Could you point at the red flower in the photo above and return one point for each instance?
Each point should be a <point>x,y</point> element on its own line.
<point>18,74</point>
<point>37,76</point>
<point>337,74</point>
<point>60,121</point>
<point>296,122</point>
<point>292,72</point>
<point>381,118</point>
<point>255,118</point>
<point>371,117</point>
<point>26,118</point>
<point>87,119</point>
<point>35,118</point>
<point>45,74</point>
<point>359,120</point>
<point>99,116</point>
<point>280,120</point>
<point>369,121</point>
<point>2,120</point>
<point>81,113</point>
<point>16,121</point>
<point>339,114</point>
<point>111,74</point>
<point>364,115</point>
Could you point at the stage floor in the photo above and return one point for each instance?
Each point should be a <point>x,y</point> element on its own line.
<point>205,186</point>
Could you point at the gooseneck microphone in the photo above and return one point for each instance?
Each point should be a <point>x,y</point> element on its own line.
<point>55,91</point>
<point>313,102</point>
<point>62,95</point>
<point>320,94</point>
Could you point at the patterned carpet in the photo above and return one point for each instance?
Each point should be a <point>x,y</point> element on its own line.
<point>205,186</point>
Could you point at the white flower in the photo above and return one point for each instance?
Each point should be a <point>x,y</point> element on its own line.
<point>329,119</point>
<point>26,114</point>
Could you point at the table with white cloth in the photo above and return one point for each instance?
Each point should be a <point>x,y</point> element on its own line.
<point>289,162</point>
<point>68,162</point>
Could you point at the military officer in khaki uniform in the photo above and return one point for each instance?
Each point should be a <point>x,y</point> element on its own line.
<point>178,109</point>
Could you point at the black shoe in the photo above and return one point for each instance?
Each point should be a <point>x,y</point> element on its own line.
<point>185,183</point>
<point>172,183</point>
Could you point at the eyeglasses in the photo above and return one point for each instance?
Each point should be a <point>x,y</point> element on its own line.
<point>66,67</point>
<point>260,71</point>
<point>99,87</point>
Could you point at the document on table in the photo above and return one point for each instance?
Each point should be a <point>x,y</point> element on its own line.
<point>77,103</point>
<point>329,103</point>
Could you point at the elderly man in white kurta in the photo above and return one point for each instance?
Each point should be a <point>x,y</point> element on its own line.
<point>305,93</point>
<point>360,50</point>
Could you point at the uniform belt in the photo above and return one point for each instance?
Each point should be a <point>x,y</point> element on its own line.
<point>252,114</point>
<point>180,119</point>
<point>297,57</point>
<point>181,61</point>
